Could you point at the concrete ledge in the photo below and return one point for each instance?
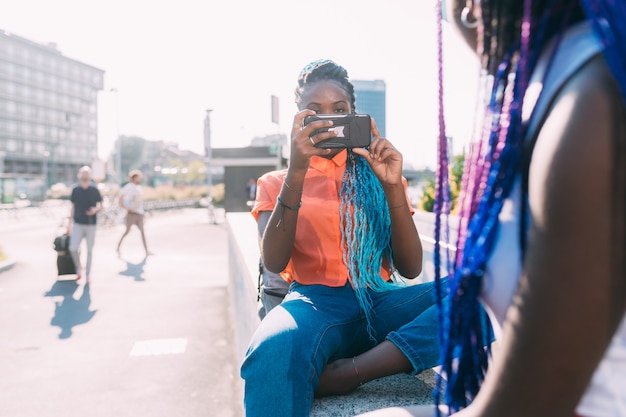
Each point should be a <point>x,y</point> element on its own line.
<point>392,391</point>
<point>243,269</point>
<point>397,390</point>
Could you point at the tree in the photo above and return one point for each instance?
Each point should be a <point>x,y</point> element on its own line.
<point>132,153</point>
<point>455,177</point>
<point>196,172</point>
<point>427,203</point>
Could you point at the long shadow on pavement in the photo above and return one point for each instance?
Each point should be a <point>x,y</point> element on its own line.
<point>135,270</point>
<point>70,312</point>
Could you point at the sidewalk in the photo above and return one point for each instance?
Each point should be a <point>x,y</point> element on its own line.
<point>14,220</point>
<point>148,337</point>
<point>29,217</point>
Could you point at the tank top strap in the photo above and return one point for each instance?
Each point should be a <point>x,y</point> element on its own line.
<point>560,60</point>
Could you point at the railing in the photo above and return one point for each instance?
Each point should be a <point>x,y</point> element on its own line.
<point>23,211</point>
<point>157,205</point>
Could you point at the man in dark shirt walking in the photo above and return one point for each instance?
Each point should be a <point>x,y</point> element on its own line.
<point>86,203</point>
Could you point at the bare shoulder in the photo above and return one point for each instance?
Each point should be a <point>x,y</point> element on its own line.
<point>573,159</point>
<point>576,191</point>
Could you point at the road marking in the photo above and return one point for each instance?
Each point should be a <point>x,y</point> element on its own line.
<point>432,241</point>
<point>155,347</point>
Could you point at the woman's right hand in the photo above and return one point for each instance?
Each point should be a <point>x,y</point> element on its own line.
<point>303,141</point>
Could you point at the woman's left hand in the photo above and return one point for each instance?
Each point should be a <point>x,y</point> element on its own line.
<point>383,157</point>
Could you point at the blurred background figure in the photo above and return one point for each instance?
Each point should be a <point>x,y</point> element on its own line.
<point>86,203</point>
<point>131,199</point>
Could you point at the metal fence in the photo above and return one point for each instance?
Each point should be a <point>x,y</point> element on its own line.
<point>111,215</point>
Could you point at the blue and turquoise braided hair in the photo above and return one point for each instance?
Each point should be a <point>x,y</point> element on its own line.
<point>511,35</point>
<point>366,233</point>
<point>365,222</point>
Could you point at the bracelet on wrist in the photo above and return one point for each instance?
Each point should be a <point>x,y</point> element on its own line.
<point>289,207</point>
<point>291,189</point>
<point>356,371</point>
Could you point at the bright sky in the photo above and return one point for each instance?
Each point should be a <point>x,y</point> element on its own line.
<point>171,60</point>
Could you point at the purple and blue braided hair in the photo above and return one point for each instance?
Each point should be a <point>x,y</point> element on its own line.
<point>608,19</point>
<point>365,221</point>
<point>510,38</point>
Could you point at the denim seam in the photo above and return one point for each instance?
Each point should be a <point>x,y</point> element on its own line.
<point>312,371</point>
<point>425,293</point>
<point>322,334</point>
<point>408,351</point>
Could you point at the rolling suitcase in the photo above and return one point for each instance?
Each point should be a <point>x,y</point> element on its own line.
<point>65,264</point>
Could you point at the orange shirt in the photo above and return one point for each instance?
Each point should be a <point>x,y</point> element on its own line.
<point>317,252</point>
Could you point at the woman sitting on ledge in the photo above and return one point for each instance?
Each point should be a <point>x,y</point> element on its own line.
<point>338,225</point>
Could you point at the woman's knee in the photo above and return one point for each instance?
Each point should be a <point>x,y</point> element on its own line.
<point>286,337</point>
<point>272,347</point>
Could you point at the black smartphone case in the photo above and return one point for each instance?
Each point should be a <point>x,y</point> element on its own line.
<point>353,130</point>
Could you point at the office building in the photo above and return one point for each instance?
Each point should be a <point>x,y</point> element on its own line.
<point>371,99</point>
<point>48,111</point>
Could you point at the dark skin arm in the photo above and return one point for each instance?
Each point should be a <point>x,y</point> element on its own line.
<point>278,237</point>
<point>571,297</point>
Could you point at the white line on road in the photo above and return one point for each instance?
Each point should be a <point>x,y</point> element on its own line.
<point>159,347</point>
<point>430,240</point>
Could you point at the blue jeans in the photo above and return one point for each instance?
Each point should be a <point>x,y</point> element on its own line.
<point>315,325</point>
<point>78,233</point>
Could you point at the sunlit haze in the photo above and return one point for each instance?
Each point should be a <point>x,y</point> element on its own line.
<point>169,61</point>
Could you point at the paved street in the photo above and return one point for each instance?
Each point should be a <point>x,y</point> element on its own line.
<point>148,337</point>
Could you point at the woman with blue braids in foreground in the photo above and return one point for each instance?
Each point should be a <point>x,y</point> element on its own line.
<point>337,224</point>
<point>542,241</point>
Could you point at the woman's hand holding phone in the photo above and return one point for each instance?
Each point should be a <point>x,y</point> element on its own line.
<point>303,140</point>
<point>383,157</point>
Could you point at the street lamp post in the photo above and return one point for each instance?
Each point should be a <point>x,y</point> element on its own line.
<point>208,154</point>
<point>52,165</point>
<point>118,156</point>
<point>276,120</point>
<point>45,173</point>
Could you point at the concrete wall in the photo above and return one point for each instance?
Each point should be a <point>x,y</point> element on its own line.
<point>243,253</point>
<point>235,185</point>
<point>397,390</point>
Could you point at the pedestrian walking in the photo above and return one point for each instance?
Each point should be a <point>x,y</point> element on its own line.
<point>131,199</point>
<point>86,203</point>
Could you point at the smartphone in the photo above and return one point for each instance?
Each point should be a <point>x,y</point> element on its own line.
<point>353,130</point>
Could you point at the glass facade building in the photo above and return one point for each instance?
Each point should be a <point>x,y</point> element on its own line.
<point>48,111</point>
<point>371,98</point>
